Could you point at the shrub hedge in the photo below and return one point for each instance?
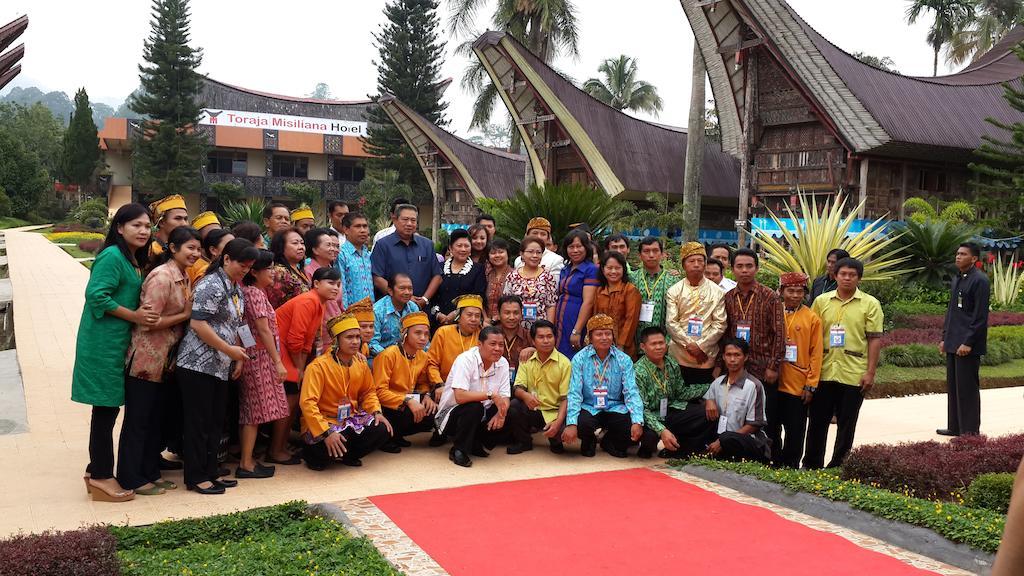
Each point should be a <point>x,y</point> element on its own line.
<point>84,552</point>
<point>991,491</point>
<point>979,528</point>
<point>1005,343</point>
<point>934,470</point>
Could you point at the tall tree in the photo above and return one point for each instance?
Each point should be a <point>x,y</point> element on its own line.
<point>992,20</point>
<point>169,152</point>
<point>547,28</point>
<point>999,175</point>
<point>408,67</point>
<point>948,17</point>
<point>22,176</point>
<point>694,170</point>
<point>621,89</point>
<point>81,144</point>
<point>38,130</point>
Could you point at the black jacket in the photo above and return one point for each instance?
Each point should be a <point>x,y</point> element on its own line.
<point>967,313</point>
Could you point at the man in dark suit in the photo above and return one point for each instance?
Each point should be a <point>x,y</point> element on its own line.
<point>964,335</point>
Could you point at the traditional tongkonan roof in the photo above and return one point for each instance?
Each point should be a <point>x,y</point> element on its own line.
<point>869,109</point>
<point>622,154</point>
<point>9,67</point>
<point>483,171</point>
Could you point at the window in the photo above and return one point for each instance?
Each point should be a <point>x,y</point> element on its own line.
<point>226,162</point>
<point>291,166</point>
<point>348,171</point>
<point>931,181</point>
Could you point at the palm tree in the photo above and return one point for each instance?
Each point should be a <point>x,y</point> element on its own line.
<point>547,28</point>
<point>950,16</point>
<point>621,90</point>
<point>992,20</point>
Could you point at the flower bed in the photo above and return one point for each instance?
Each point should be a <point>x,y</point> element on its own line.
<point>979,528</point>
<point>73,237</point>
<point>934,470</point>
<point>85,552</point>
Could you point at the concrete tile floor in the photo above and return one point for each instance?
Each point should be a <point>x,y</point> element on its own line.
<point>41,486</point>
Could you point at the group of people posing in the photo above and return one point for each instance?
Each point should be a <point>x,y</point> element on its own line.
<point>332,348</point>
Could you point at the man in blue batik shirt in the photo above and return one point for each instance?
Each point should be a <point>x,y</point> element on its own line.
<point>603,394</point>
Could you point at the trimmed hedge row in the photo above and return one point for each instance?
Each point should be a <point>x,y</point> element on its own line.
<point>85,552</point>
<point>1005,343</point>
<point>975,527</point>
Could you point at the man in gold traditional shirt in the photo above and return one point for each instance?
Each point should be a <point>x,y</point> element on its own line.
<point>695,317</point>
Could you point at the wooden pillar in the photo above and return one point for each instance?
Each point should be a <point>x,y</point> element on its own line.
<point>750,101</point>
<point>439,194</point>
<point>903,189</point>
<point>863,187</point>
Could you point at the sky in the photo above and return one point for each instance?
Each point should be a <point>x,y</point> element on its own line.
<point>288,47</point>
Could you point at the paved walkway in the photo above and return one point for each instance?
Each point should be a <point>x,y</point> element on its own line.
<point>42,487</point>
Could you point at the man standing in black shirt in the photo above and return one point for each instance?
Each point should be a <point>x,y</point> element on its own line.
<point>964,335</point>
<point>827,281</point>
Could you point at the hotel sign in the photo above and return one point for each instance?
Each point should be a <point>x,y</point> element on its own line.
<point>236,118</point>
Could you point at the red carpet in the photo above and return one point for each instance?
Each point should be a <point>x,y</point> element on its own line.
<point>626,522</point>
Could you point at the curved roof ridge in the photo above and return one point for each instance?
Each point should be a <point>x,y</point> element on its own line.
<point>288,98</point>
<point>945,80</point>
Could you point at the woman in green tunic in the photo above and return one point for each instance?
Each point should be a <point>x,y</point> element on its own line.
<point>104,333</point>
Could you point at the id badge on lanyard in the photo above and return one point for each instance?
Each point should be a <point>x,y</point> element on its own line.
<point>647,312</point>
<point>743,331</point>
<point>246,337</point>
<point>663,408</point>
<point>791,352</point>
<point>601,398</point>
<point>529,312</point>
<point>695,327</point>
<point>344,410</point>
<point>837,336</point>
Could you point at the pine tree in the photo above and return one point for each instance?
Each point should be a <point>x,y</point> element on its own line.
<point>999,177</point>
<point>169,152</point>
<point>81,155</point>
<point>409,68</point>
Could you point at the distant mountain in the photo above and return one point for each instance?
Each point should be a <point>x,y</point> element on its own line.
<point>63,107</point>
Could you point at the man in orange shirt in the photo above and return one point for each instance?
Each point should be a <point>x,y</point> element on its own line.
<point>403,383</point>
<point>341,416</point>
<point>800,371</point>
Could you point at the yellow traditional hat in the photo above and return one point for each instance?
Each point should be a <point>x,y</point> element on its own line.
<point>692,249</point>
<point>341,324</point>
<point>538,223</point>
<point>600,322</point>
<point>302,213</point>
<point>468,300</point>
<point>415,319</point>
<point>362,310</point>
<point>160,207</point>
<point>204,219</point>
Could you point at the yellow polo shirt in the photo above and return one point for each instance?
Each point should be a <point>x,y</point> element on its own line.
<point>549,380</point>
<point>861,317</point>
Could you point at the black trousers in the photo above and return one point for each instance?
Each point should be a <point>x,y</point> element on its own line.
<point>792,418</point>
<point>737,446</point>
<point>101,442</point>
<point>357,445</point>
<point>843,401</point>
<point>964,394</point>
<point>689,423</point>
<point>524,423</point>
<point>403,425</point>
<point>467,425</point>
<point>138,455</point>
<point>171,417</point>
<point>616,428</point>
<point>203,399</point>
<point>771,411</point>
<point>697,375</point>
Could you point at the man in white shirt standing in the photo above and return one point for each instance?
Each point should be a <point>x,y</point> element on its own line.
<point>476,397</point>
<point>393,215</point>
<point>551,261</point>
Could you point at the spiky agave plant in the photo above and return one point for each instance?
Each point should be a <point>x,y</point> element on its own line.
<point>822,230</point>
<point>250,210</point>
<point>1007,281</point>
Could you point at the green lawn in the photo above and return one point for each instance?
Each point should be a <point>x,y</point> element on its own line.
<point>11,222</point>
<point>886,374</point>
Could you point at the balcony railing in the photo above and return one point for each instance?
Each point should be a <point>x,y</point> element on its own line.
<point>263,187</point>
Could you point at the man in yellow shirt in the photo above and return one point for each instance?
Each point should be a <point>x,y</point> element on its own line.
<point>851,326</point>
<point>403,383</point>
<point>341,416</point>
<point>539,396</point>
<point>454,339</point>
<point>168,214</point>
<point>695,318</point>
<point>801,370</point>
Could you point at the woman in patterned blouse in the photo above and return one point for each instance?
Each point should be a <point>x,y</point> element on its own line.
<point>166,292</point>
<point>497,271</point>
<point>290,279</point>
<point>534,284</point>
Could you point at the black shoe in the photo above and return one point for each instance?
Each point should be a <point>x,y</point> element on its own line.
<point>353,462</point>
<point>215,489</point>
<point>666,453</point>
<point>257,471</point>
<point>391,447</point>
<point>556,447</point>
<point>166,464</point>
<point>946,432</point>
<point>437,440</point>
<point>226,483</point>
<point>518,448</point>
<point>588,449</point>
<point>459,458</point>
<point>478,450</point>
<point>612,450</point>
<point>402,442</point>
<point>644,453</point>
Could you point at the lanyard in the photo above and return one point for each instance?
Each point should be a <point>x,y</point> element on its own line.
<point>663,381</point>
<point>462,339</point>
<point>233,292</point>
<point>787,318</point>
<point>650,290</point>
<point>744,309</point>
<point>841,314</point>
<point>601,374</point>
<point>508,347</point>
<point>408,366</point>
